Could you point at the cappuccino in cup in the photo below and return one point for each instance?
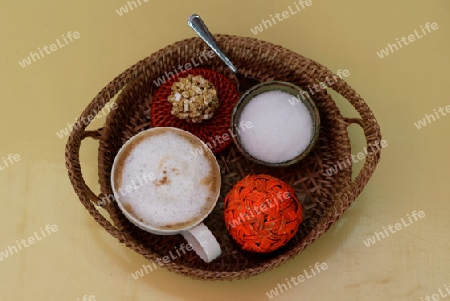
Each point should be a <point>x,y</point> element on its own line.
<point>164,189</point>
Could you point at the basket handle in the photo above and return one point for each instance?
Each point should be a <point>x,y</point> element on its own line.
<point>79,133</point>
<point>372,134</point>
<point>96,135</point>
<point>367,122</point>
<point>372,158</point>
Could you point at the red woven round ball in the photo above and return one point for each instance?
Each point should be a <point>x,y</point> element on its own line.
<point>262,213</point>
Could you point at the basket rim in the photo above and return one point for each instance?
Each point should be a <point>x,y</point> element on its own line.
<point>349,190</point>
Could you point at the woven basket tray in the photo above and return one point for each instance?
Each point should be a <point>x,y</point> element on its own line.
<point>325,199</point>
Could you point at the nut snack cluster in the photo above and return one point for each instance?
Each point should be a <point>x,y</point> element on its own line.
<point>193,99</point>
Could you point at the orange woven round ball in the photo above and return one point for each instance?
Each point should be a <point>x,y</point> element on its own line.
<point>262,213</point>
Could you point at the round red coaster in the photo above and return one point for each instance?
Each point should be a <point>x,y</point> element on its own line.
<point>215,132</point>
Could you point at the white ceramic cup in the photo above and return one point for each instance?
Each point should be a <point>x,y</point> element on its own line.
<point>196,233</point>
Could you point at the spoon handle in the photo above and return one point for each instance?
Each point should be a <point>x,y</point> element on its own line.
<point>200,28</point>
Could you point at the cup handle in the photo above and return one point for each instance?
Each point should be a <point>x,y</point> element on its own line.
<point>203,242</point>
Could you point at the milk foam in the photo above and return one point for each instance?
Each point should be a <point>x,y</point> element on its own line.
<point>183,189</point>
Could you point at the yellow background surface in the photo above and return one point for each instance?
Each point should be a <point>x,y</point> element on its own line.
<point>81,259</point>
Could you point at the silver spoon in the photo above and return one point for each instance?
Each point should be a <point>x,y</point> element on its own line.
<point>244,82</point>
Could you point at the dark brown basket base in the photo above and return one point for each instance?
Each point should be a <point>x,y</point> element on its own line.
<point>325,198</point>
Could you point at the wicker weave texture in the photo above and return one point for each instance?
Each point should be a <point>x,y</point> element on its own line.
<point>262,213</point>
<point>325,197</point>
